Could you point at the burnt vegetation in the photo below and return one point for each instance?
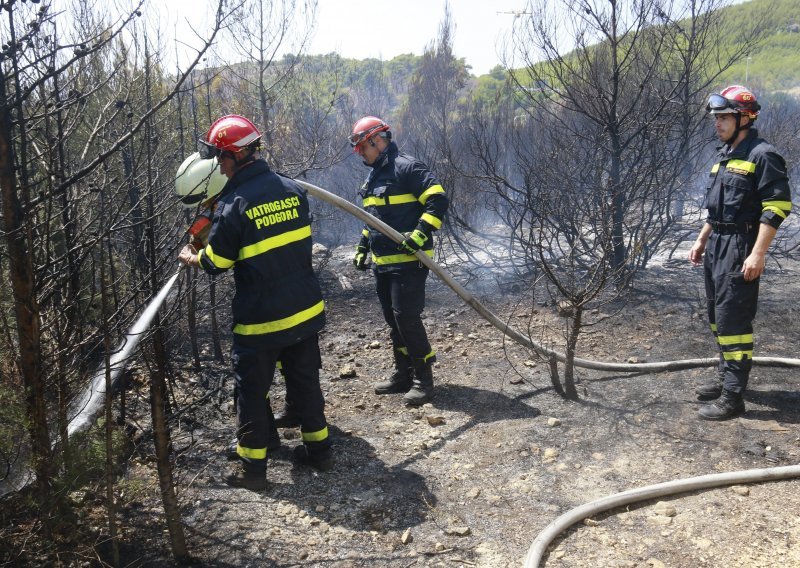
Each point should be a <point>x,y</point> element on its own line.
<point>568,173</point>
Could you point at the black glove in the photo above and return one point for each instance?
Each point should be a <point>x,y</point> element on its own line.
<point>414,241</point>
<point>360,259</point>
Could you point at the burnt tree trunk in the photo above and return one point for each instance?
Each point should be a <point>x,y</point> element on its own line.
<point>158,383</point>
<point>569,365</point>
<point>19,239</point>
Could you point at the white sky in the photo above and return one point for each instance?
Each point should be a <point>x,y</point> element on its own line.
<point>385,28</point>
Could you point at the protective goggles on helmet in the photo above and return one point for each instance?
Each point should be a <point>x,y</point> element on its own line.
<point>717,104</point>
<point>358,137</point>
<point>207,150</point>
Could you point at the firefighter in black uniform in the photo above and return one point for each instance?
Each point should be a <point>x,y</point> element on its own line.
<point>198,183</point>
<point>404,194</point>
<point>747,199</point>
<point>261,228</point>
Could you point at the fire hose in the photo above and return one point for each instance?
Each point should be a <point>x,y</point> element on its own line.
<point>545,537</point>
<point>510,331</point>
<point>95,394</point>
<point>562,523</point>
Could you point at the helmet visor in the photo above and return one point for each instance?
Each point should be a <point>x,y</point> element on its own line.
<point>717,104</point>
<point>207,150</point>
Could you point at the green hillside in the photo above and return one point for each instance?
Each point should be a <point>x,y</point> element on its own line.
<point>772,66</point>
<point>775,64</point>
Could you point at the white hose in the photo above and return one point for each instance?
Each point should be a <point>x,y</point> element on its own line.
<point>94,395</point>
<point>513,333</point>
<point>592,508</point>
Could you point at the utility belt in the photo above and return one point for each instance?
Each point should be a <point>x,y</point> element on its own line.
<point>733,228</point>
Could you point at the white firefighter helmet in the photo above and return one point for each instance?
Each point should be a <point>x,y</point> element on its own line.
<point>198,180</point>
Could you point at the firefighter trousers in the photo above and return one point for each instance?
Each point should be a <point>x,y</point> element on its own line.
<point>402,297</point>
<point>732,305</point>
<point>253,369</point>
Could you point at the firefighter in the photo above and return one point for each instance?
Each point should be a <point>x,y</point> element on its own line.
<point>404,194</point>
<point>261,228</point>
<point>747,198</point>
<point>198,183</point>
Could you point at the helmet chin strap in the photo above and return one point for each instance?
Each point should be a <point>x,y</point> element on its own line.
<point>250,157</point>
<point>738,129</point>
<point>379,159</point>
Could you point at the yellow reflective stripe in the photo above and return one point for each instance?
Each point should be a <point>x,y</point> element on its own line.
<point>737,355</point>
<point>430,191</point>
<point>281,324</point>
<point>393,200</point>
<point>275,242</point>
<point>397,258</point>
<point>781,208</point>
<point>252,453</point>
<point>715,168</point>
<point>734,339</point>
<point>714,327</point>
<point>429,355</point>
<point>405,198</point>
<point>365,233</point>
<point>199,255</point>
<point>219,261</point>
<point>373,201</point>
<point>403,350</point>
<point>317,436</point>
<point>741,165</point>
<point>434,222</point>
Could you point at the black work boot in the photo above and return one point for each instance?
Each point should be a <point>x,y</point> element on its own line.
<point>400,380</point>
<point>422,385</point>
<point>252,479</point>
<point>320,459</point>
<point>712,388</point>
<point>728,405</point>
<point>286,418</point>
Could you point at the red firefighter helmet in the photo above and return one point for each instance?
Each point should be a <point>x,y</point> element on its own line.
<point>366,128</point>
<point>734,99</point>
<point>229,133</point>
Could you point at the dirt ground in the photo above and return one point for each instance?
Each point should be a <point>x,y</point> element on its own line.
<point>472,478</point>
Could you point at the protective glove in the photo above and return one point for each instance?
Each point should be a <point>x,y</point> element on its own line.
<point>414,241</point>
<point>360,259</point>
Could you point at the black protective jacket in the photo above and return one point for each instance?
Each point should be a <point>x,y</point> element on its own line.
<point>748,186</point>
<point>262,229</point>
<point>404,194</point>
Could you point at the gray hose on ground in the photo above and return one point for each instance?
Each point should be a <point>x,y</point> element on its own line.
<point>513,333</point>
<point>551,531</point>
